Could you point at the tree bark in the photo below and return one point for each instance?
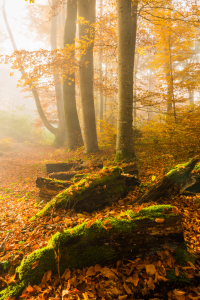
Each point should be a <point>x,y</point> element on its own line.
<point>86,10</point>
<point>50,188</point>
<point>171,185</point>
<point>101,111</point>
<point>73,129</point>
<point>126,54</point>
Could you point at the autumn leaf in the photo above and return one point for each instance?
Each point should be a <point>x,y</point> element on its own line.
<point>139,208</point>
<point>175,210</point>
<point>30,289</point>
<point>176,271</point>
<point>157,220</point>
<point>89,223</point>
<point>97,268</point>
<point>66,275</point>
<point>46,278</point>
<point>127,289</point>
<point>87,184</point>
<point>90,271</point>
<point>133,279</point>
<point>35,264</point>
<point>150,269</point>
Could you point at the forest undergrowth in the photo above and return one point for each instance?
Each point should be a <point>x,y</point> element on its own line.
<point>19,167</point>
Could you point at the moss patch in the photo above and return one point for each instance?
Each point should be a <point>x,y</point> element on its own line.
<point>75,192</point>
<point>181,279</point>
<point>177,168</point>
<point>76,248</point>
<point>125,155</point>
<point>181,256</point>
<point>13,290</point>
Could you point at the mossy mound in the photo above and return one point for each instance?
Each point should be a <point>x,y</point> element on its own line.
<point>82,246</point>
<point>96,191</point>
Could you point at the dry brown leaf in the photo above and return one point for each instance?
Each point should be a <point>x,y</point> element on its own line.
<point>97,268</point>
<point>87,184</point>
<point>35,264</point>
<point>122,297</point>
<point>89,223</point>
<point>175,210</point>
<point>106,272</point>
<point>133,279</point>
<point>66,275</point>
<point>176,271</point>
<point>113,291</point>
<point>30,289</point>
<point>46,277</point>
<point>11,279</point>
<point>178,292</point>
<point>157,220</point>
<point>161,278</point>
<point>127,289</point>
<point>90,271</point>
<point>151,284</point>
<point>150,269</point>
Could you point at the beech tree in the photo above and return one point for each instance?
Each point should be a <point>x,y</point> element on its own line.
<point>126,28</point>
<point>69,97</point>
<point>86,13</point>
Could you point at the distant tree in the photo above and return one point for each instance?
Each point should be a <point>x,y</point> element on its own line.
<point>47,124</point>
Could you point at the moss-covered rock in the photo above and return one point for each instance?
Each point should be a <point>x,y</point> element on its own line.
<point>88,244</point>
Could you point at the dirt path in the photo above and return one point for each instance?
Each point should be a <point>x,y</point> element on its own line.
<point>25,162</point>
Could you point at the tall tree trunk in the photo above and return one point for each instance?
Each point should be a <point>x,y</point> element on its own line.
<point>136,63</point>
<point>100,68</point>
<point>36,97</point>
<point>126,32</point>
<point>86,10</point>
<point>170,82</point>
<point>73,129</point>
<point>59,140</point>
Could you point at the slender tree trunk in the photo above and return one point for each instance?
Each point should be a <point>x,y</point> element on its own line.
<point>86,10</point>
<point>191,96</point>
<point>59,140</point>
<point>125,142</point>
<point>73,129</point>
<point>134,90</point>
<point>170,83</point>
<point>100,69</point>
<point>46,123</point>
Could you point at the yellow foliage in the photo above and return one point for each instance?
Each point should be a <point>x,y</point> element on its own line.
<point>106,135</point>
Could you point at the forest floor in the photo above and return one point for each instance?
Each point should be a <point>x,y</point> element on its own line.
<point>19,168</point>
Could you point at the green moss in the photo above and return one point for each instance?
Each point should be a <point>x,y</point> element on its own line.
<point>90,257</point>
<point>197,167</point>
<point>125,155</point>
<point>13,290</point>
<point>75,193</point>
<point>151,212</point>
<point>79,247</point>
<point>181,279</point>
<point>78,177</point>
<point>181,256</point>
<point>176,168</point>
